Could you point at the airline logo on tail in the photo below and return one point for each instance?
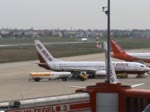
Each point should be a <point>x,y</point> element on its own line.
<point>116,48</point>
<point>44,52</point>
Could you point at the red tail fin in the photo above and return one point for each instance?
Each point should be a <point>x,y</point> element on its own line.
<point>42,62</point>
<point>116,48</point>
<point>40,58</point>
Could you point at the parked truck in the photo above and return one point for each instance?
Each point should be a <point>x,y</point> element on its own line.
<point>37,76</point>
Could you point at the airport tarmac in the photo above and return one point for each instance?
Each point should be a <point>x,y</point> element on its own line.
<point>15,84</point>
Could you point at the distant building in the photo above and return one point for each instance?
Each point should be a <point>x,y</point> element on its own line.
<point>84,39</point>
<point>4,32</point>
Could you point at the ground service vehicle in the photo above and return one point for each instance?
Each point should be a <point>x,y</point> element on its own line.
<point>80,76</point>
<point>37,76</point>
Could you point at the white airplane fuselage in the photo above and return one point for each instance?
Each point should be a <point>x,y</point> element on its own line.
<point>120,67</point>
<point>140,55</point>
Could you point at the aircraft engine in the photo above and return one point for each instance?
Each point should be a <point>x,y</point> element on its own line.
<point>100,74</point>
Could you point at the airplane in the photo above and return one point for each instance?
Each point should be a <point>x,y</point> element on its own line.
<point>97,68</point>
<point>119,53</point>
<point>37,76</point>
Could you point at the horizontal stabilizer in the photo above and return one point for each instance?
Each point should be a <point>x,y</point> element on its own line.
<point>42,63</point>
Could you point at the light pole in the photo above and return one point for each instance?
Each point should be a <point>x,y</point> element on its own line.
<point>107,12</point>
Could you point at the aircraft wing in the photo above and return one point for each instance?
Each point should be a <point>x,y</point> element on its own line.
<point>42,63</point>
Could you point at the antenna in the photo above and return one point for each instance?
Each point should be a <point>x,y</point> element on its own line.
<point>107,12</point>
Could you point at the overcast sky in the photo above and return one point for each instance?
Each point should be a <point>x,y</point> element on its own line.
<point>75,14</point>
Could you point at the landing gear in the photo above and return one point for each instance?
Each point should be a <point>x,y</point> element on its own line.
<point>91,75</point>
<point>37,79</point>
<point>122,75</point>
<point>64,79</point>
<point>142,75</point>
<point>139,76</point>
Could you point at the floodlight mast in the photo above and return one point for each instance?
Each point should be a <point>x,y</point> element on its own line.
<point>107,12</point>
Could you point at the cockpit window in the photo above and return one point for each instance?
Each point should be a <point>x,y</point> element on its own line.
<point>142,66</point>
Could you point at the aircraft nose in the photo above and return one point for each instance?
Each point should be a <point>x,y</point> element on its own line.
<point>147,68</point>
